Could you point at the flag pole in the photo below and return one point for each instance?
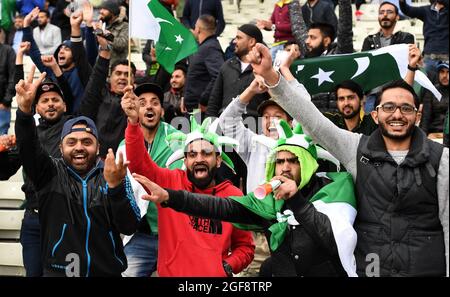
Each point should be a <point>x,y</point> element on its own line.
<point>129,44</point>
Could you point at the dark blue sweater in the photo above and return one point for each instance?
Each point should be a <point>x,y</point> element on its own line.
<point>195,8</point>
<point>435,26</point>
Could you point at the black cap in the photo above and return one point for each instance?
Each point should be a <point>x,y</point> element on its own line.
<point>442,64</point>
<point>150,88</point>
<point>48,86</point>
<point>112,6</point>
<point>68,126</point>
<point>269,102</point>
<point>252,31</point>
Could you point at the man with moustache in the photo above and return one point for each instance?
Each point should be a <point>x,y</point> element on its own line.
<point>188,245</point>
<point>401,177</point>
<point>349,96</point>
<point>142,248</point>
<point>101,101</point>
<point>236,74</point>
<point>173,99</point>
<point>50,106</point>
<point>387,18</point>
<point>84,204</point>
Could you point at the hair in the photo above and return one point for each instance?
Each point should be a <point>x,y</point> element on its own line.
<point>326,30</point>
<point>46,12</point>
<point>181,67</point>
<point>390,3</point>
<point>290,42</point>
<point>350,85</point>
<point>124,62</point>
<point>19,16</point>
<point>398,84</point>
<point>208,22</point>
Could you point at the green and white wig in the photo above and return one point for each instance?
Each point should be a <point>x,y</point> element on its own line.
<point>206,131</point>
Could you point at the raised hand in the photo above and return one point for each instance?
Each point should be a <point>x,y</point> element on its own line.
<point>130,104</point>
<point>157,194</point>
<point>26,90</point>
<point>261,61</point>
<point>414,55</point>
<point>76,18</point>
<point>112,172</point>
<point>256,87</point>
<point>30,17</point>
<point>24,47</point>
<point>50,62</point>
<point>88,13</point>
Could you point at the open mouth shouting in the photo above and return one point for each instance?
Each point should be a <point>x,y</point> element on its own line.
<point>201,171</point>
<point>79,158</point>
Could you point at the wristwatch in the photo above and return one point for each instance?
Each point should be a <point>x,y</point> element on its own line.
<point>227,268</point>
<point>108,48</point>
<point>412,68</point>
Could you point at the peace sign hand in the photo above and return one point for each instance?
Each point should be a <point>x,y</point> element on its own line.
<point>26,90</point>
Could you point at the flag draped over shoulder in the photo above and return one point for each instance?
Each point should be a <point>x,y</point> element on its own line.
<point>150,20</point>
<point>369,69</point>
<point>336,200</point>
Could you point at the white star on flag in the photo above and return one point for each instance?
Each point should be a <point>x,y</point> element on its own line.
<point>323,76</point>
<point>179,39</point>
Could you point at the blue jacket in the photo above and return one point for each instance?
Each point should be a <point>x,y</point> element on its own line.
<point>195,8</point>
<point>435,26</point>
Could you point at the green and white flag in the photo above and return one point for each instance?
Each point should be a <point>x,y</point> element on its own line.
<point>369,69</point>
<point>150,20</point>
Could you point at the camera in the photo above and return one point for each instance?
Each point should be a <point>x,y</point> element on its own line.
<point>107,35</point>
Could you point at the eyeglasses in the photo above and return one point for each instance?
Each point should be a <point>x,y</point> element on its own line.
<point>382,12</point>
<point>390,107</point>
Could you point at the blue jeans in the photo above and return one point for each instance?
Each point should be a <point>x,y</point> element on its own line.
<point>5,119</point>
<point>142,253</point>
<point>30,238</point>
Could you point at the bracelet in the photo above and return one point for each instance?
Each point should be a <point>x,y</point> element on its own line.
<point>275,85</point>
<point>412,68</point>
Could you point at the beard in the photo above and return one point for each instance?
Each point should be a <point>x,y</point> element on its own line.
<point>315,52</point>
<point>84,168</point>
<point>386,24</point>
<point>241,53</point>
<point>385,132</point>
<point>204,182</point>
<point>352,114</point>
<point>107,18</point>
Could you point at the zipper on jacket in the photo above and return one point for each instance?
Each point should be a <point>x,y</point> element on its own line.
<point>88,228</point>
<point>60,240</point>
<point>114,247</point>
<point>88,220</point>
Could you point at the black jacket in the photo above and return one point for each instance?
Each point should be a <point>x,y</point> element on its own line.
<point>398,211</point>
<point>80,218</point>
<point>230,83</point>
<point>308,249</point>
<point>103,107</point>
<point>434,111</point>
<point>7,62</point>
<point>365,126</point>
<point>372,41</point>
<point>203,69</point>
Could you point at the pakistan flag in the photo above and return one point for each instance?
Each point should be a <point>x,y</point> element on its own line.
<point>369,69</point>
<point>150,20</point>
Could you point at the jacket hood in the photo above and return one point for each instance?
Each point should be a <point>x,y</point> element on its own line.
<point>67,43</point>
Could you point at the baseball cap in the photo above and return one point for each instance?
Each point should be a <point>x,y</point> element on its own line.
<point>68,126</point>
<point>269,102</point>
<point>150,88</point>
<point>442,64</point>
<point>48,86</point>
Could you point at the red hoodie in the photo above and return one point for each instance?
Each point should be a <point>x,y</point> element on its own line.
<point>189,246</point>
